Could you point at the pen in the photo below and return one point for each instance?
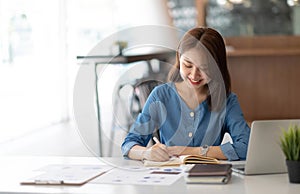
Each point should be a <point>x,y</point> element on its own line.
<point>156,140</point>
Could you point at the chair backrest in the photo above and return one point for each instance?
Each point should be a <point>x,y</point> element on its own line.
<point>141,91</point>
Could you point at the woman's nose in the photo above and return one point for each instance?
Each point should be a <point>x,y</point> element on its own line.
<point>195,72</point>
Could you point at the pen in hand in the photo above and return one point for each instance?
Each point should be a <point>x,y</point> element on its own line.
<point>156,140</point>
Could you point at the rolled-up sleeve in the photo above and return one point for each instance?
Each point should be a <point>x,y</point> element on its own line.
<point>126,147</point>
<point>133,139</point>
<point>229,151</point>
<point>238,129</point>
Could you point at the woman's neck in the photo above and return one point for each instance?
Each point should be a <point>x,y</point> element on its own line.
<point>192,97</point>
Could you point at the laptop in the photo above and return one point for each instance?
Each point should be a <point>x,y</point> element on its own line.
<point>264,155</point>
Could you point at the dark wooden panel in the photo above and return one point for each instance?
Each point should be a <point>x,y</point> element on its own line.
<point>268,87</point>
<point>264,42</point>
<point>265,72</point>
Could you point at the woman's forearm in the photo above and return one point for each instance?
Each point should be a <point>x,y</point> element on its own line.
<point>213,151</point>
<point>216,152</point>
<point>137,152</point>
<point>157,152</point>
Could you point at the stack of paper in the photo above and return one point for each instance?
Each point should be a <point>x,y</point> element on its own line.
<point>66,174</point>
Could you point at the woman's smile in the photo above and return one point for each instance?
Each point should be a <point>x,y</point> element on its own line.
<point>195,82</point>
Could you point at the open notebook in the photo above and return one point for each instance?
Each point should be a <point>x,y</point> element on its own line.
<point>183,159</point>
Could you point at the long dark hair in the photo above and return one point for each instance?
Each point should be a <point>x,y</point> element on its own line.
<point>211,41</point>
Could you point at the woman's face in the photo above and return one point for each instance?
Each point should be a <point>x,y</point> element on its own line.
<point>193,68</point>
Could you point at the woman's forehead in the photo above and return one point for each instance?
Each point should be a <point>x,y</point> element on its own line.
<point>196,56</point>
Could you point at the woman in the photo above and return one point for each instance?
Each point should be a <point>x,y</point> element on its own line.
<point>194,109</point>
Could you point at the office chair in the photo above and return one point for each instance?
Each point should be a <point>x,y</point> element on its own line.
<point>127,105</point>
<point>139,94</point>
<point>141,91</point>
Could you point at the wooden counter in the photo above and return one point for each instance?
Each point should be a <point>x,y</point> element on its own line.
<point>265,73</point>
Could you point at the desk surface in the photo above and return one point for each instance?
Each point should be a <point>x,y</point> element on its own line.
<point>14,169</point>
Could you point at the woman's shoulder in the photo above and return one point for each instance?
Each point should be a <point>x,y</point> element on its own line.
<point>165,89</point>
<point>232,98</point>
<point>232,95</point>
<point>165,86</point>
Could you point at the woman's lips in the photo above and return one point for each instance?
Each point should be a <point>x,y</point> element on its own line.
<point>195,82</point>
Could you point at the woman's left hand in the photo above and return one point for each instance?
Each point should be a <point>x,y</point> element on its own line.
<point>177,150</point>
<point>183,150</point>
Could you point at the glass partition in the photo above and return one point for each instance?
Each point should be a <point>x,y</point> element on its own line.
<point>250,17</point>
<point>239,17</point>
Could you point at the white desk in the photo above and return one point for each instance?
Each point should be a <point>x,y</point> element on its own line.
<point>14,169</point>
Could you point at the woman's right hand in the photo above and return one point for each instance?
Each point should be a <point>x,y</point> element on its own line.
<point>157,152</point>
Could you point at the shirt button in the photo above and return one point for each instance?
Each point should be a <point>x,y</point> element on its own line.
<point>192,114</point>
<point>190,134</point>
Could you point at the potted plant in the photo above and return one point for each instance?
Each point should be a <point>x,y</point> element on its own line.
<point>290,145</point>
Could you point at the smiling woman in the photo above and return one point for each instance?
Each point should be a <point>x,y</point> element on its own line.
<point>194,76</point>
<point>194,109</point>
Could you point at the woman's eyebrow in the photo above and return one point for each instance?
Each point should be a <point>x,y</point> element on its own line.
<point>187,59</point>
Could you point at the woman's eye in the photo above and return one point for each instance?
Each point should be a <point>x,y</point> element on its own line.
<point>187,64</point>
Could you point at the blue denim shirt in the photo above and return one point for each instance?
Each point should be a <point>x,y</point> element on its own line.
<point>179,125</point>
